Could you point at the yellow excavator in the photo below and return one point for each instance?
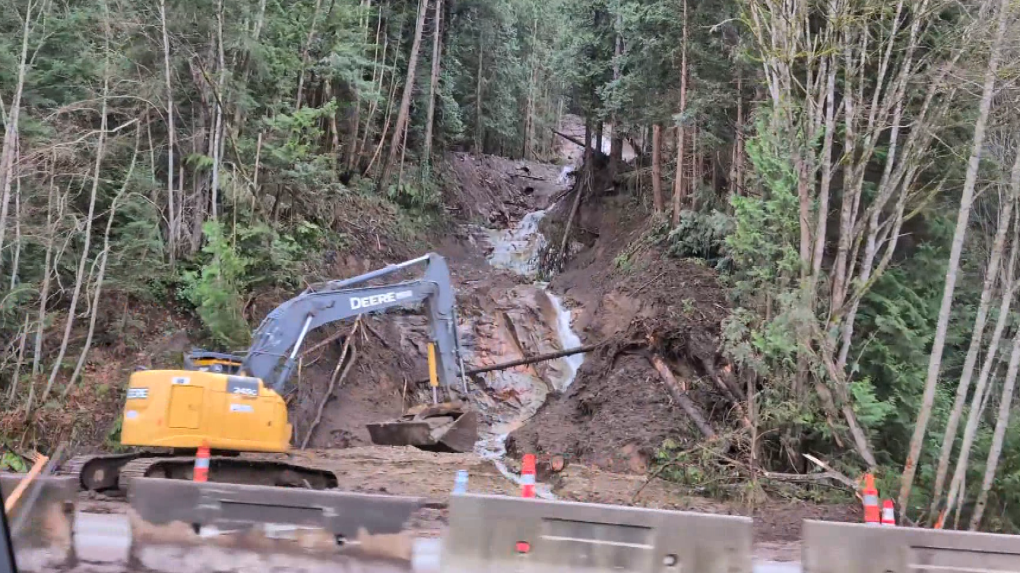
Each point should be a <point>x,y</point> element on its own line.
<point>234,404</point>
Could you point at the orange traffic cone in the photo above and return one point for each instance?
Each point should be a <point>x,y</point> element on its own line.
<point>528,476</point>
<point>202,463</point>
<point>888,513</point>
<point>872,514</point>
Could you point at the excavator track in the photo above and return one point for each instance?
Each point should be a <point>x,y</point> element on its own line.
<point>246,470</point>
<point>99,472</point>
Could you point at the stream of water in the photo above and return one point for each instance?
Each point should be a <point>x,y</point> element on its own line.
<point>517,249</point>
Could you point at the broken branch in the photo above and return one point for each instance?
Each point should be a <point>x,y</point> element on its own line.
<point>333,380</point>
<point>681,397</point>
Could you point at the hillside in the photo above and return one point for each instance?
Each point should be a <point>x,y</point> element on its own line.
<point>787,229</point>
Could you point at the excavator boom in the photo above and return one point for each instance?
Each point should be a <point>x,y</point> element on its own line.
<point>277,342</point>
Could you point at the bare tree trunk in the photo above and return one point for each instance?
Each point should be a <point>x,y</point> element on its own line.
<point>396,144</point>
<point>967,198</point>
<point>386,124</point>
<point>11,133</point>
<point>17,230</point>
<point>13,390</point>
<point>218,129</point>
<point>616,141</point>
<point>44,292</point>
<point>172,220</point>
<point>304,55</point>
<point>657,168</point>
<point>479,123</point>
<point>1001,423</point>
<point>737,180</point>
<point>378,73</point>
<point>824,191</point>
<point>79,279</point>
<point>103,256</point>
<point>679,184</point>
<point>403,154</point>
<point>991,276</point>
<point>681,398</point>
<point>990,363</point>
<point>434,86</point>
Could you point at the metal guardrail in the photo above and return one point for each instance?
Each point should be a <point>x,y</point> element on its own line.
<point>856,548</point>
<point>490,534</point>
<point>161,501</point>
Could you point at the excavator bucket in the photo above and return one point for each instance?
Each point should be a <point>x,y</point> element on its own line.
<point>437,428</point>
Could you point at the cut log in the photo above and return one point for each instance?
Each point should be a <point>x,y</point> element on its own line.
<point>681,397</point>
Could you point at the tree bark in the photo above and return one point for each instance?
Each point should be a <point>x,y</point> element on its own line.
<point>396,144</point>
<point>966,200</point>
<point>657,168</point>
<point>434,86</point>
<point>679,183</point>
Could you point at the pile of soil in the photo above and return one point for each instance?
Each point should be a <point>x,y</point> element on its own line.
<point>635,300</point>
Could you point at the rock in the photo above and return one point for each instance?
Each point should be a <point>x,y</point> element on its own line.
<point>557,463</point>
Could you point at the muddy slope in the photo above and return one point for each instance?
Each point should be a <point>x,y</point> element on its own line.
<point>631,297</point>
<point>503,317</point>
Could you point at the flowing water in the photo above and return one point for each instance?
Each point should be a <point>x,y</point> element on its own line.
<point>517,249</point>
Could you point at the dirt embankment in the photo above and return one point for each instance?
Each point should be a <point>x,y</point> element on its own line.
<point>500,312</point>
<point>636,301</point>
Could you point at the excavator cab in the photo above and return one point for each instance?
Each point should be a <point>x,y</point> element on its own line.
<point>216,362</point>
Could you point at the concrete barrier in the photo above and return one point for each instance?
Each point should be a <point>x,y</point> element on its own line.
<point>162,501</point>
<point>856,548</point>
<point>490,534</point>
<point>42,535</point>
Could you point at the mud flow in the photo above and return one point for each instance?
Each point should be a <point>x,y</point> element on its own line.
<point>526,319</point>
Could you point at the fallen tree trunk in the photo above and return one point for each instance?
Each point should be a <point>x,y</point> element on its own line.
<point>569,138</point>
<point>680,396</point>
<point>523,361</point>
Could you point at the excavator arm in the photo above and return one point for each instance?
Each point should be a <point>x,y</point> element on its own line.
<point>277,342</point>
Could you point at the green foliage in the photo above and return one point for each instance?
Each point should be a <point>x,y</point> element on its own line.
<point>700,235</point>
<point>217,289</point>
<point>12,462</point>
<point>418,194</point>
